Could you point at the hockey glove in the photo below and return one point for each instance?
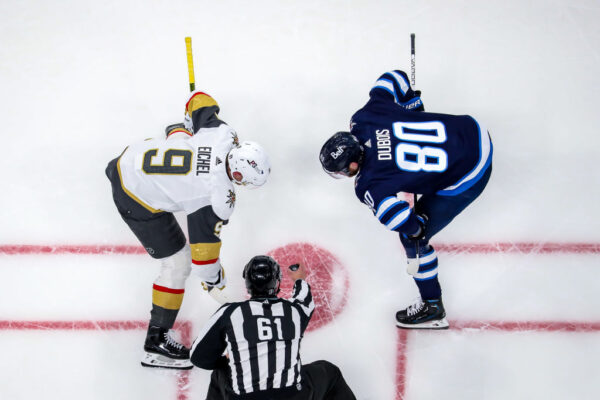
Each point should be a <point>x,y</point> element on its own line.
<point>218,283</point>
<point>416,102</point>
<point>420,234</point>
<point>175,128</point>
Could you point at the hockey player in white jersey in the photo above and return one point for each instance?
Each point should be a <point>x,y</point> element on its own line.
<point>193,170</point>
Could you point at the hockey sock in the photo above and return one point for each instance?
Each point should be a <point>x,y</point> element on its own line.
<point>166,303</point>
<point>427,276</point>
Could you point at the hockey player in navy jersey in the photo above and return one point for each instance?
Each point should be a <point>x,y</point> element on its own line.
<point>395,146</point>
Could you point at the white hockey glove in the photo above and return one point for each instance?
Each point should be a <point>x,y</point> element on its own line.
<point>215,289</point>
<point>219,283</point>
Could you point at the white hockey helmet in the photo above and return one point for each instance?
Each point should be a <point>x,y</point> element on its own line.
<point>249,164</point>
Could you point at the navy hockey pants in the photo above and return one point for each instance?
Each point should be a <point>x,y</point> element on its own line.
<point>440,211</point>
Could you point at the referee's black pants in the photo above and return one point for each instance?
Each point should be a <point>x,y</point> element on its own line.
<point>321,380</point>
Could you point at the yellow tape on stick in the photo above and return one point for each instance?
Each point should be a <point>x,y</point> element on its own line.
<point>190,62</point>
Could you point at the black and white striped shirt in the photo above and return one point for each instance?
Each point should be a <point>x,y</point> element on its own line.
<point>262,339</point>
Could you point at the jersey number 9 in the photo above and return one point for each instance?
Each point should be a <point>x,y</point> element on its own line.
<point>175,162</point>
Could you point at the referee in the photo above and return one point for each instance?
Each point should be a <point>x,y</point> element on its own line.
<point>253,346</point>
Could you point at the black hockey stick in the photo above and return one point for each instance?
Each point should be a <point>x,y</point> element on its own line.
<point>412,82</point>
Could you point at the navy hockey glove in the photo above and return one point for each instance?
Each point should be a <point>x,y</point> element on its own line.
<point>418,103</point>
<point>420,233</point>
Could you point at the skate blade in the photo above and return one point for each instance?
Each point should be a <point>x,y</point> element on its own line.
<point>153,360</point>
<point>436,324</point>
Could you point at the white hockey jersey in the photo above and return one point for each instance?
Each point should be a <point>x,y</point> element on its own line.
<point>182,172</point>
<point>187,172</point>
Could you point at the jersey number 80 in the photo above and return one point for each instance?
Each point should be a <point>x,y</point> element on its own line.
<point>413,157</point>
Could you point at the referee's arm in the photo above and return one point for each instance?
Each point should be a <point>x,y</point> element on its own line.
<point>302,297</point>
<point>208,348</point>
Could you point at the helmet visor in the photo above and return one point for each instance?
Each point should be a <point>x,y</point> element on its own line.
<point>345,173</point>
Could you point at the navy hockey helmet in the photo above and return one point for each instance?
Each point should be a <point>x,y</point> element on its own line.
<point>263,276</point>
<point>338,152</point>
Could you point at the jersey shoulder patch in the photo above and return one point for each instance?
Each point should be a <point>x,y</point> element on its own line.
<point>223,201</point>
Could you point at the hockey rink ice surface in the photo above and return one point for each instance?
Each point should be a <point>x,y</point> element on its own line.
<point>519,268</point>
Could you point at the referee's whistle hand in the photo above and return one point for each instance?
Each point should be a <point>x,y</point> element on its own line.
<point>299,273</point>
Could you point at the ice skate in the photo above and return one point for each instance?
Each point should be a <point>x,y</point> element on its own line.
<point>162,351</point>
<point>428,314</point>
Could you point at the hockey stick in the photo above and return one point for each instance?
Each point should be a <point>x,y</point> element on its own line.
<point>412,59</point>
<point>413,268</point>
<point>190,63</point>
<point>413,82</point>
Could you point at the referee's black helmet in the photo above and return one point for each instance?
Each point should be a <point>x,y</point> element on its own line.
<point>263,276</point>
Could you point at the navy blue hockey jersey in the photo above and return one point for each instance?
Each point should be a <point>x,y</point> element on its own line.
<point>414,152</point>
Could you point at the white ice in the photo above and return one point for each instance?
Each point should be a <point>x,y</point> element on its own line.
<point>80,80</point>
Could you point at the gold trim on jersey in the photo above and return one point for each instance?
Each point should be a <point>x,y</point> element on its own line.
<point>205,253</point>
<point>179,130</point>
<point>133,196</point>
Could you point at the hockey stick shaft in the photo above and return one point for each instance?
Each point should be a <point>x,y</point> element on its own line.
<point>413,78</point>
<point>190,63</point>
<point>412,60</point>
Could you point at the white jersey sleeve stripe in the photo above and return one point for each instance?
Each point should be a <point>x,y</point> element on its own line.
<point>387,86</point>
<point>398,219</point>
<point>385,205</point>
<point>403,83</point>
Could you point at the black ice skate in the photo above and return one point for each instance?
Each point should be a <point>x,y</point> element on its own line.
<point>428,314</point>
<point>161,351</point>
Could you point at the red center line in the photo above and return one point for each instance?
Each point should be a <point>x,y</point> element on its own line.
<point>183,327</point>
<point>474,248</point>
<point>485,326</point>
